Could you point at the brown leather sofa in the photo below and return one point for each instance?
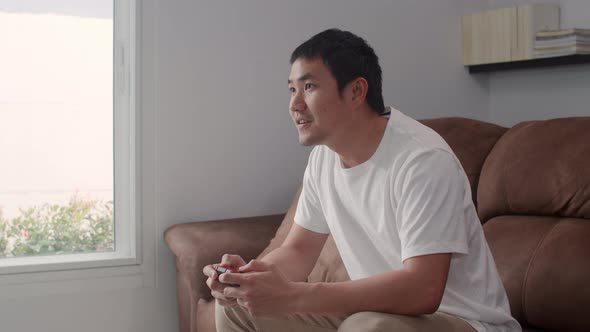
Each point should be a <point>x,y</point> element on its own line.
<point>531,185</point>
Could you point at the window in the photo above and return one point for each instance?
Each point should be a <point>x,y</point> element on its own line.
<point>68,136</point>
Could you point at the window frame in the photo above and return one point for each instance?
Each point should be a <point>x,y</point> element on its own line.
<point>126,149</point>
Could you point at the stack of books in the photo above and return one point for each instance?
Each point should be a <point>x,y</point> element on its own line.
<point>562,42</point>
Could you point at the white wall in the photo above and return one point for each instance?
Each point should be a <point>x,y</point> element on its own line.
<point>543,93</point>
<point>218,141</point>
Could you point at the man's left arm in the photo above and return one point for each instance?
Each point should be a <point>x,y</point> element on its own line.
<point>416,289</point>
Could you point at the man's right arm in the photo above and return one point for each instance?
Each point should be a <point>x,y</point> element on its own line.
<point>297,256</point>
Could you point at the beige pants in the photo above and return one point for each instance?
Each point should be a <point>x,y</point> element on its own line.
<point>237,319</point>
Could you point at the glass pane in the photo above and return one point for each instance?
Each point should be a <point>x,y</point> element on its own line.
<point>56,127</point>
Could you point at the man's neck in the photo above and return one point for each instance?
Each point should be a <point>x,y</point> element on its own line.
<point>361,140</point>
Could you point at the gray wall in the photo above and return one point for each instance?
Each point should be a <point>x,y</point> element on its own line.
<point>218,141</point>
<point>226,145</point>
<point>543,93</point>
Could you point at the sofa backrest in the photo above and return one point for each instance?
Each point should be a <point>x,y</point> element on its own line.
<point>539,168</point>
<point>534,197</point>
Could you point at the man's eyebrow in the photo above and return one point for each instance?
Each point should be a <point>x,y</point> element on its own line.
<point>303,77</point>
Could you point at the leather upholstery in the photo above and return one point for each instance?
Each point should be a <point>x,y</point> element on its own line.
<point>539,168</point>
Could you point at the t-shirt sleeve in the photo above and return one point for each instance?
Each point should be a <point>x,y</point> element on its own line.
<point>309,214</point>
<point>430,215</point>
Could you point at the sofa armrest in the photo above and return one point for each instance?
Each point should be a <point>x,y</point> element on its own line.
<point>200,243</point>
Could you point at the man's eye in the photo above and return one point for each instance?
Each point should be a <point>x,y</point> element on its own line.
<point>292,89</point>
<point>308,86</point>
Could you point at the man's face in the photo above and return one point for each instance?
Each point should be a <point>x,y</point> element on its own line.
<point>316,107</point>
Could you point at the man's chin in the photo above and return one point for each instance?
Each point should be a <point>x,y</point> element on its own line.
<point>306,141</point>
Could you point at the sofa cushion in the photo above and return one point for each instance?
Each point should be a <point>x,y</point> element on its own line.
<point>557,293</point>
<point>470,140</point>
<point>538,168</point>
<point>543,264</point>
<point>512,251</point>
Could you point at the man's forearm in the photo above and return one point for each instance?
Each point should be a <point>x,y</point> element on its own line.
<point>292,263</point>
<point>397,292</point>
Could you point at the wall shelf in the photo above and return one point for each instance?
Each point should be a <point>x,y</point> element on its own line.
<point>532,63</point>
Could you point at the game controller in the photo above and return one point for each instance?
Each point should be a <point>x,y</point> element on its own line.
<point>221,270</point>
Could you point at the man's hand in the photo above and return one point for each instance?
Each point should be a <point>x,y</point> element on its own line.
<point>232,262</point>
<point>264,291</point>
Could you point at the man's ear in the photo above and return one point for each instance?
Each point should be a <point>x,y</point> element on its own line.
<point>358,89</point>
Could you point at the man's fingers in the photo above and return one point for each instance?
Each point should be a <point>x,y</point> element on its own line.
<point>215,285</point>
<point>255,266</point>
<point>233,292</point>
<point>232,261</point>
<point>209,271</point>
<point>234,278</point>
<point>242,302</point>
<point>220,295</point>
<point>230,303</point>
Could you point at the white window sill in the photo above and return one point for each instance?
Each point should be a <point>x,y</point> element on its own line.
<point>47,275</point>
<point>64,262</point>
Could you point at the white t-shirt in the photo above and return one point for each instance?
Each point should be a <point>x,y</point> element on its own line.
<point>410,198</point>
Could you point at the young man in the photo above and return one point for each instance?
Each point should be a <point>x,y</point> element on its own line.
<point>397,202</point>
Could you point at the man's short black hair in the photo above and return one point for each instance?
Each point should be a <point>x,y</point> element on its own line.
<point>347,56</point>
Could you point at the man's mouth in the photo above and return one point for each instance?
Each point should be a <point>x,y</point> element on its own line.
<point>303,124</point>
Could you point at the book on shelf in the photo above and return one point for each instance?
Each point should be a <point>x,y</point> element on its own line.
<point>549,34</point>
<point>562,51</point>
<point>570,40</point>
<point>562,42</point>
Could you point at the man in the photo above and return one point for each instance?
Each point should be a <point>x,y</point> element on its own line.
<point>397,202</point>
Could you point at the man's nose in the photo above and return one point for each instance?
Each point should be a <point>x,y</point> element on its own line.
<point>297,103</point>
